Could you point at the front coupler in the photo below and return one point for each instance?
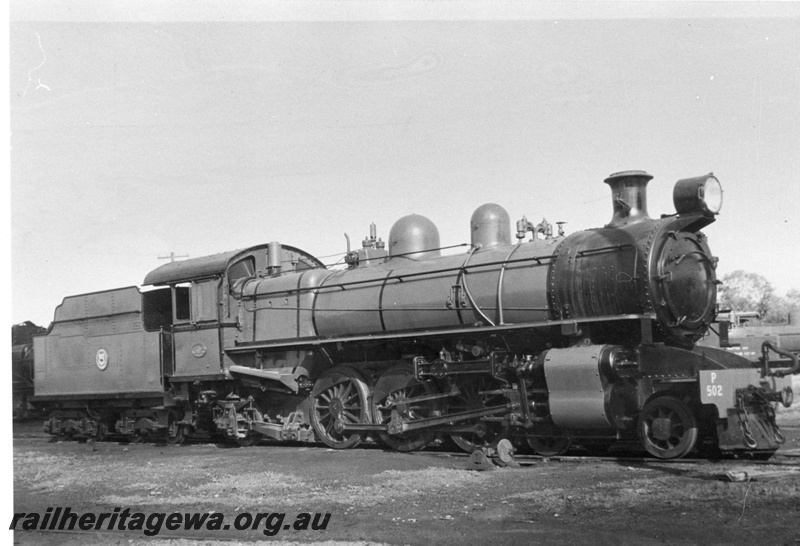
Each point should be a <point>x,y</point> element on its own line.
<point>744,400</point>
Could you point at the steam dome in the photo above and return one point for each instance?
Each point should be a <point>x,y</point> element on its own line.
<point>490,226</point>
<point>415,237</point>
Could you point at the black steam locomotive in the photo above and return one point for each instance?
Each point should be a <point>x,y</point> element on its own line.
<point>589,337</point>
<point>22,368</point>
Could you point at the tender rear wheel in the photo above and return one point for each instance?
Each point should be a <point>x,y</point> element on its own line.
<point>342,396</point>
<point>395,391</point>
<point>668,428</point>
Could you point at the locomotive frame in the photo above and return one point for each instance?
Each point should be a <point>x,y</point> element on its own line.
<point>587,337</point>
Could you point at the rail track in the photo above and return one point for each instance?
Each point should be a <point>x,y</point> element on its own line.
<point>625,454</point>
<point>420,497</point>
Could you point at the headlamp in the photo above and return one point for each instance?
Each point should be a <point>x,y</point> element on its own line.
<point>699,194</point>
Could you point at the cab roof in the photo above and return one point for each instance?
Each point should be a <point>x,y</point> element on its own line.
<point>216,264</point>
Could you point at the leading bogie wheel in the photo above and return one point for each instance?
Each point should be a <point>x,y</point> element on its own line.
<point>668,428</point>
<point>343,399</point>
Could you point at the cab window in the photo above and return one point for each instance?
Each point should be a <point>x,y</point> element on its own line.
<point>239,272</point>
<point>157,309</point>
<point>181,303</point>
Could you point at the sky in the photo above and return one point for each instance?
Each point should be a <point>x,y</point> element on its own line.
<point>134,134</point>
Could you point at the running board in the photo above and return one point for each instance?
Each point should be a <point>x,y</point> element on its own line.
<point>286,379</point>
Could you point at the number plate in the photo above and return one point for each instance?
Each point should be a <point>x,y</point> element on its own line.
<point>719,387</point>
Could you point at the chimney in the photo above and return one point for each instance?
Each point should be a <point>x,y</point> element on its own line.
<point>629,196</point>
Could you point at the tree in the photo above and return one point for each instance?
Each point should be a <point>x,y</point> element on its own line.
<point>743,291</point>
<point>781,307</point>
<point>793,298</point>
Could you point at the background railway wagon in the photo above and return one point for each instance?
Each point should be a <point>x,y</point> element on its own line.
<point>742,334</point>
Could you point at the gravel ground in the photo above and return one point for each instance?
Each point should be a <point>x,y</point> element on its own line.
<point>375,496</point>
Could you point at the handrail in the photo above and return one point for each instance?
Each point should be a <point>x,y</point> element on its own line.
<point>500,283</point>
<point>463,276</point>
<point>765,348</point>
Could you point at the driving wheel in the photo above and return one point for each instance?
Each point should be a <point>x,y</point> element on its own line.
<point>395,393</point>
<point>340,397</point>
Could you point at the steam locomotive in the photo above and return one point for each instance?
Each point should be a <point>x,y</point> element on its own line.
<point>22,368</point>
<point>588,337</point>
